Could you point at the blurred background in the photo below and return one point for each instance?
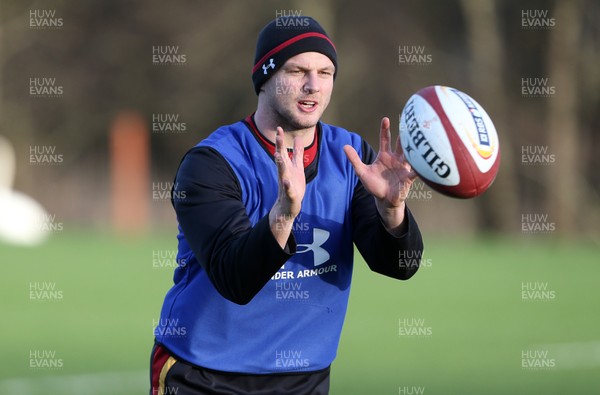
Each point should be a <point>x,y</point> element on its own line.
<point>101,99</point>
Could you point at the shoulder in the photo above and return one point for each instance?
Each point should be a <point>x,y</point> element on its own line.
<point>338,137</point>
<point>202,164</point>
<point>335,133</point>
<point>226,134</point>
<point>209,159</point>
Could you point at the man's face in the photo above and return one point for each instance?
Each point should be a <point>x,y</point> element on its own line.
<point>299,92</point>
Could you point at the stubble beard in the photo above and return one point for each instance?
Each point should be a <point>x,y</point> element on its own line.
<point>289,121</point>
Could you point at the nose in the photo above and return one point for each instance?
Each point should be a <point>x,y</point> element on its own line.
<point>311,83</point>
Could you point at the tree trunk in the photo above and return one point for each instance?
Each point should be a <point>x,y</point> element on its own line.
<point>564,181</point>
<point>499,207</point>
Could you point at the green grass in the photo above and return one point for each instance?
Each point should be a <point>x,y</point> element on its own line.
<point>469,296</point>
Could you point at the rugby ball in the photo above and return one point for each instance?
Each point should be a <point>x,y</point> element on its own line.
<point>450,141</point>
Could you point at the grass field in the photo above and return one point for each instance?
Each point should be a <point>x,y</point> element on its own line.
<point>82,308</point>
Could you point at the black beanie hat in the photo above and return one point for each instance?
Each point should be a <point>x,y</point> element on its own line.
<point>285,37</point>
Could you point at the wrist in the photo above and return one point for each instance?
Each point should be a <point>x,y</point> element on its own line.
<point>281,222</point>
<point>392,217</point>
<point>282,213</point>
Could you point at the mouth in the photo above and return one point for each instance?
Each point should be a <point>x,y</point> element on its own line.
<point>307,105</point>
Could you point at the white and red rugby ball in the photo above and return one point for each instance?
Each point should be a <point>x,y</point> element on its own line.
<point>450,141</point>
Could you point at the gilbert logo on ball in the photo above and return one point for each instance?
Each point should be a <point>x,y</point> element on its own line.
<point>450,141</point>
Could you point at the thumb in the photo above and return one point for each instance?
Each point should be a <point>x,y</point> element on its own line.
<point>359,166</point>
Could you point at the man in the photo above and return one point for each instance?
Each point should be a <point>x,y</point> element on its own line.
<point>269,209</point>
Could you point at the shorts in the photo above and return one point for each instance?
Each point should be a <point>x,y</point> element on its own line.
<point>170,376</point>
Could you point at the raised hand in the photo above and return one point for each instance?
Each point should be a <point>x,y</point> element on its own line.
<point>292,185</point>
<point>388,178</point>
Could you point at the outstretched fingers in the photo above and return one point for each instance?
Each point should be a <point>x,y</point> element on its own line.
<point>400,152</point>
<point>385,138</point>
<point>279,146</point>
<point>359,166</point>
<point>281,159</point>
<point>298,156</point>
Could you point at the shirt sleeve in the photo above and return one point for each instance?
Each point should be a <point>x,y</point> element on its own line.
<point>238,258</point>
<point>396,257</point>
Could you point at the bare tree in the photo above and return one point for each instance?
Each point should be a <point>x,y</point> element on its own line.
<point>500,207</point>
<point>565,185</point>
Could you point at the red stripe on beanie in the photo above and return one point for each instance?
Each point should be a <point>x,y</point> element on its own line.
<point>287,44</point>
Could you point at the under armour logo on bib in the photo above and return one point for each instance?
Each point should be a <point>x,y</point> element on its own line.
<point>321,255</point>
<point>270,65</point>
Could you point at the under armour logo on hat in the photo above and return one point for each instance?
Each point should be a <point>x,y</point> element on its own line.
<point>266,66</point>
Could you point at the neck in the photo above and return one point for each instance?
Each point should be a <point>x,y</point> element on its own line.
<point>267,126</point>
